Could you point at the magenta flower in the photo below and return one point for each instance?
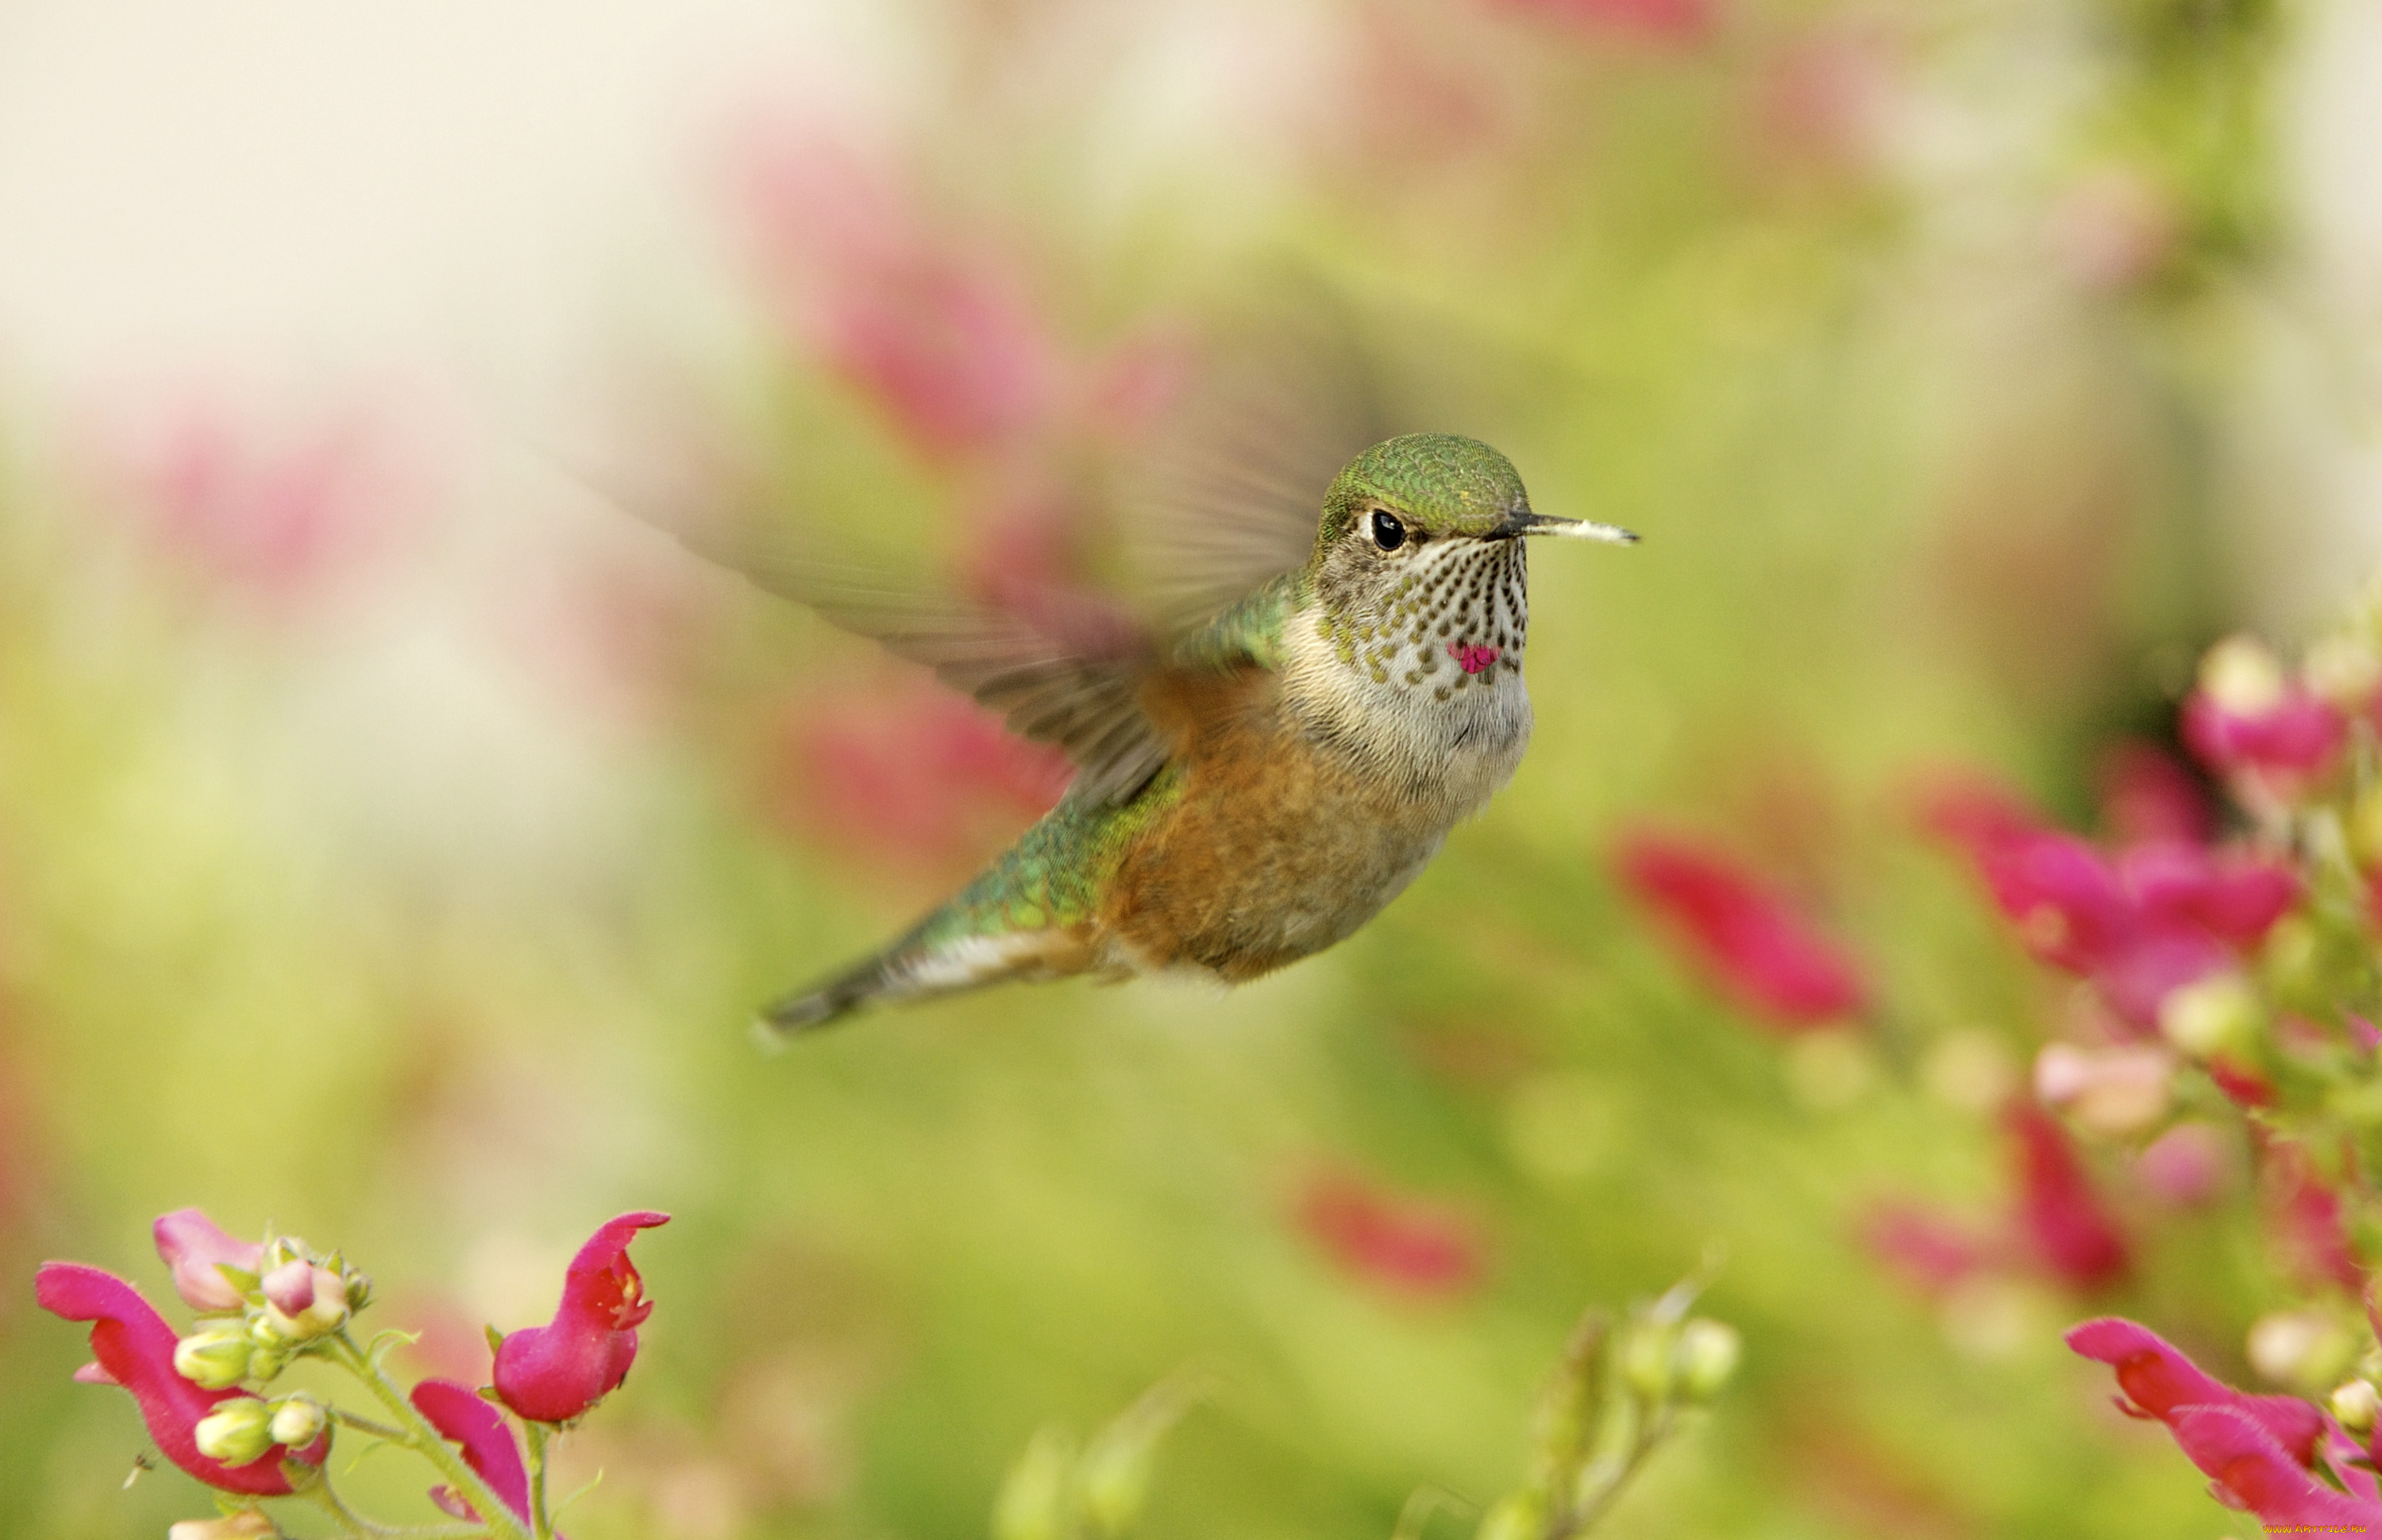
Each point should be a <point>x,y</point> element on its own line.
<point>489,1447</point>
<point>135,1349</point>
<point>1417,1248</point>
<point>1742,936</point>
<point>1933,1254</point>
<point>2159,1381</point>
<point>554,1373</point>
<point>2294,739</point>
<point>2188,1165</point>
<point>197,1251</point>
<point>2139,925</point>
<point>2059,1216</point>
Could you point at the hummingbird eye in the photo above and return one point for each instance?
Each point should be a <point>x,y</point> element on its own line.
<point>1388,533</point>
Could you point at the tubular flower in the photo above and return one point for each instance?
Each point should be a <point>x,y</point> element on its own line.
<point>2060,1218</point>
<point>489,1447</point>
<point>197,1251</point>
<point>1741,935</point>
<point>2141,925</point>
<point>2246,720</point>
<point>554,1373</point>
<point>135,1349</point>
<point>2266,1454</point>
<point>1419,1248</point>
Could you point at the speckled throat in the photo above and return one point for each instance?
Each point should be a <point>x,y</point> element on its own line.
<point>1460,615</point>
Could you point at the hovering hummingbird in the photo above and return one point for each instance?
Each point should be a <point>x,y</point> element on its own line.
<point>1250,788</point>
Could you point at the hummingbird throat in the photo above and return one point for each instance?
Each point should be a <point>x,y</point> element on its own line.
<point>1457,616</point>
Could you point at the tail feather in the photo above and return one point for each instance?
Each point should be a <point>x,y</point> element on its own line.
<point>915,970</point>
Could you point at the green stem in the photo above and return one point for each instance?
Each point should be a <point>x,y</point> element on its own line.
<point>347,1419</point>
<point>541,1525</point>
<point>497,1519</point>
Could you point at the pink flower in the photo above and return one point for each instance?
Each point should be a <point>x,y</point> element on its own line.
<point>2260,1453</point>
<point>2295,737</point>
<point>1740,934</point>
<point>2113,1091</point>
<point>197,1251</point>
<point>135,1349</point>
<point>2304,1213</point>
<point>2139,925</point>
<point>489,1447</point>
<point>2159,1382</point>
<point>933,328</point>
<point>2148,798</point>
<point>2059,1216</point>
<point>1932,1254</point>
<point>2188,1165</point>
<point>1417,1248</point>
<point>554,1373</point>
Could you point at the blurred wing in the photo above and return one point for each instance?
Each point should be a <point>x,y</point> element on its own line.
<point>1062,667</point>
<point>1230,494</point>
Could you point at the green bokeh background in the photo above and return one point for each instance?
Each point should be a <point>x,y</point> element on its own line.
<point>1914,493</point>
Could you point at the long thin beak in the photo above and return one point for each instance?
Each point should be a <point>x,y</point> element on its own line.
<point>1574,528</point>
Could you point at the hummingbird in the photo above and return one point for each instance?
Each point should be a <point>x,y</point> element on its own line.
<point>1250,788</point>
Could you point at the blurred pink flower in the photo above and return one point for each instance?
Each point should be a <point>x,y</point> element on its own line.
<point>918,778</point>
<point>2290,743</point>
<point>931,326</point>
<point>2158,1382</point>
<point>2139,925</point>
<point>2303,1213</point>
<point>1673,20</point>
<point>2060,1218</point>
<point>191,1245</point>
<point>489,1447</point>
<point>135,1349</point>
<point>554,1373</point>
<point>2147,798</point>
<point>2187,1166</point>
<point>1821,101</point>
<point>1930,1253</point>
<point>1740,934</point>
<point>276,516</point>
<point>1417,1248</point>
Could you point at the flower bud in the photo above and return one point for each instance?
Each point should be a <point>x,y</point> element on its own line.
<point>213,1359</point>
<point>2206,1018</point>
<point>246,1525</point>
<point>2242,676</point>
<point>2355,1402</point>
<point>1646,1361</point>
<point>1707,1357</point>
<point>237,1432</point>
<point>197,1250</point>
<point>2298,1347</point>
<point>298,1420</point>
<point>304,1301</point>
<point>1522,1516</point>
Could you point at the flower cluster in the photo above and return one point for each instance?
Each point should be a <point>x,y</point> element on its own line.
<point>206,1395</point>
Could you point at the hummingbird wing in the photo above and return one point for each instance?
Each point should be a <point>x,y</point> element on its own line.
<point>1062,667</point>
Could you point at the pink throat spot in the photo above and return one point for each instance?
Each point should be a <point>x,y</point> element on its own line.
<point>1470,658</point>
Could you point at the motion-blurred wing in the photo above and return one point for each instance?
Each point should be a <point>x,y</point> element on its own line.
<point>1231,492</point>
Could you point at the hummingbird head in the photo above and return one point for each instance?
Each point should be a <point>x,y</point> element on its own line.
<point>1418,565</point>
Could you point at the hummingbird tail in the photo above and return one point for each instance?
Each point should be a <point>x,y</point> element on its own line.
<point>913,970</point>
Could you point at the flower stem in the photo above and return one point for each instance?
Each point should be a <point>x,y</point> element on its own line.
<point>499,1520</point>
<point>365,1424</point>
<point>541,1524</point>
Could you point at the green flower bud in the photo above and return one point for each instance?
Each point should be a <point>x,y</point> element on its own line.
<point>246,1525</point>
<point>213,1359</point>
<point>1707,1357</point>
<point>298,1420</point>
<point>1646,1359</point>
<point>236,1432</point>
<point>2355,1402</point>
<point>1522,1516</point>
<point>2218,1014</point>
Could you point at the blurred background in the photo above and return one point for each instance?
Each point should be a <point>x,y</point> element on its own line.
<point>395,838</point>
